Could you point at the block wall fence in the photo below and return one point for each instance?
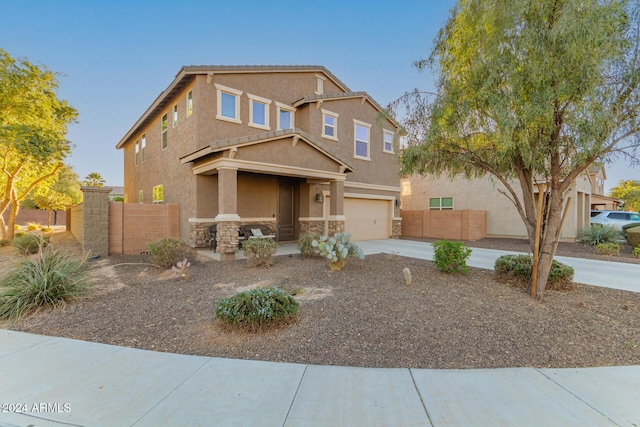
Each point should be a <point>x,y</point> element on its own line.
<point>116,228</point>
<point>451,225</point>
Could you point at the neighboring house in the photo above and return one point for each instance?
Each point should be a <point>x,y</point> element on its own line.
<point>599,201</point>
<point>502,218</point>
<point>117,194</point>
<point>291,147</point>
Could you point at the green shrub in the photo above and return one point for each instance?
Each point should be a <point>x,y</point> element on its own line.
<point>628,226</point>
<point>633,236</point>
<point>451,257</point>
<point>260,251</point>
<point>31,226</point>
<point>596,234</point>
<point>16,227</point>
<point>168,251</point>
<point>305,245</point>
<point>608,249</point>
<point>257,308</point>
<point>30,243</point>
<point>4,242</point>
<point>47,279</point>
<point>46,229</point>
<point>338,249</point>
<point>636,252</point>
<point>19,233</point>
<point>518,268</point>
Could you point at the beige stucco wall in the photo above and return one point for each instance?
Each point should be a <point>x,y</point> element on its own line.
<point>502,218</point>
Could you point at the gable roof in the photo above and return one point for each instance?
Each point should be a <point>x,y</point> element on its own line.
<point>187,73</point>
<point>226,144</point>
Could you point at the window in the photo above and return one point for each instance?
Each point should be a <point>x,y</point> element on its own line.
<point>137,150</point>
<point>189,103</point>
<point>329,125</point>
<point>143,148</point>
<point>320,84</point>
<point>228,104</point>
<point>164,127</point>
<point>285,116</point>
<point>175,115</point>
<point>388,142</point>
<point>158,194</point>
<point>361,140</point>
<point>140,196</point>
<point>441,203</point>
<point>259,112</point>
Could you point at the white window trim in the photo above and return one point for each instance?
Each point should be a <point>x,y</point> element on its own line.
<point>335,129</point>
<point>368,126</point>
<point>266,102</point>
<point>384,145</point>
<point>174,115</point>
<point>143,148</point>
<point>320,79</point>
<point>187,112</point>
<point>164,133</point>
<point>284,107</point>
<point>230,91</point>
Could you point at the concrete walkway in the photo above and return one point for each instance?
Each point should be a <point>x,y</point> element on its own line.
<point>48,381</point>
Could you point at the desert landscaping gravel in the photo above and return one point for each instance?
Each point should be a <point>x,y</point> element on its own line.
<point>365,315</point>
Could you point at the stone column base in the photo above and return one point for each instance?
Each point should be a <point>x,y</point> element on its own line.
<point>312,226</point>
<point>396,228</point>
<point>227,236</point>
<point>336,226</point>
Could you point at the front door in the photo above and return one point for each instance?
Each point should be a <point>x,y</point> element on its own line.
<point>287,202</point>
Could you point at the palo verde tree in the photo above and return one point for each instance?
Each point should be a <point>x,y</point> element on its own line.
<point>33,125</point>
<point>629,191</point>
<point>531,93</point>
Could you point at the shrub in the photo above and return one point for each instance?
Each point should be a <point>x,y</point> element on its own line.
<point>608,249</point>
<point>19,233</point>
<point>451,257</point>
<point>305,245</point>
<point>257,308</point>
<point>30,243</point>
<point>47,279</point>
<point>260,251</point>
<point>16,227</point>
<point>628,226</point>
<point>46,229</point>
<point>595,234</point>
<point>338,249</point>
<point>633,236</point>
<point>4,242</point>
<point>181,269</point>
<point>31,226</point>
<point>168,251</point>
<point>636,251</point>
<point>519,268</point>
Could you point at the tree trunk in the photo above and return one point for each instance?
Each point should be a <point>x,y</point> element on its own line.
<point>11,225</point>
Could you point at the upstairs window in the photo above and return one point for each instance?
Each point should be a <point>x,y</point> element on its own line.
<point>189,103</point>
<point>228,104</point>
<point>143,148</point>
<point>361,140</point>
<point>175,115</point>
<point>285,116</point>
<point>329,125</point>
<point>164,125</point>
<point>259,112</point>
<point>441,203</point>
<point>137,152</point>
<point>320,84</point>
<point>387,142</point>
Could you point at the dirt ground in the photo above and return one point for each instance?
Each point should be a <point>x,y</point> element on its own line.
<point>364,315</point>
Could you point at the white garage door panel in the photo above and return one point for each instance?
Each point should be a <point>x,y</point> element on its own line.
<point>367,219</point>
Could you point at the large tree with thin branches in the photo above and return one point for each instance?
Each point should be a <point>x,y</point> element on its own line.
<point>531,93</point>
<point>33,127</point>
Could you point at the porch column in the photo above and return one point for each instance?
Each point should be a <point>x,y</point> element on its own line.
<point>336,207</point>
<point>227,219</point>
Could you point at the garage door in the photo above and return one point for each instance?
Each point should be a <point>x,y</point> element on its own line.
<point>367,219</point>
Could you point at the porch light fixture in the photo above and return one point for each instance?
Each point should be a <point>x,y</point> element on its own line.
<point>398,202</point>
<point>319,198</point>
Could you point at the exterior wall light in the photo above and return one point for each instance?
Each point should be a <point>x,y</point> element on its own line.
<point>319,198</point>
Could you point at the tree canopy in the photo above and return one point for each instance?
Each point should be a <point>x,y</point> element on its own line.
<point>93,179</point>
<point>629,191</point>
<point>33,127</point>
<point>532,93</point>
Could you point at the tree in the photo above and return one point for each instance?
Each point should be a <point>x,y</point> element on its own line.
<point>629,191</point>
<point>532,93</point>
<point>33,125</point>
<point>52,201</point>
<point>93,179</point>
<point>67,183</point>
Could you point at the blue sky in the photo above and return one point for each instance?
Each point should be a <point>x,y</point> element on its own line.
<point>117,56</point>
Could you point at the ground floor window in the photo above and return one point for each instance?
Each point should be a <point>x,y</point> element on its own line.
<point>441,203</point>
<point>158,194</point>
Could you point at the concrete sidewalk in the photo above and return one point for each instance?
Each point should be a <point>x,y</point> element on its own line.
<point>48,381</point>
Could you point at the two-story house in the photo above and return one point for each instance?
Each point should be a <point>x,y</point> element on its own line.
<point>291,147</point>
